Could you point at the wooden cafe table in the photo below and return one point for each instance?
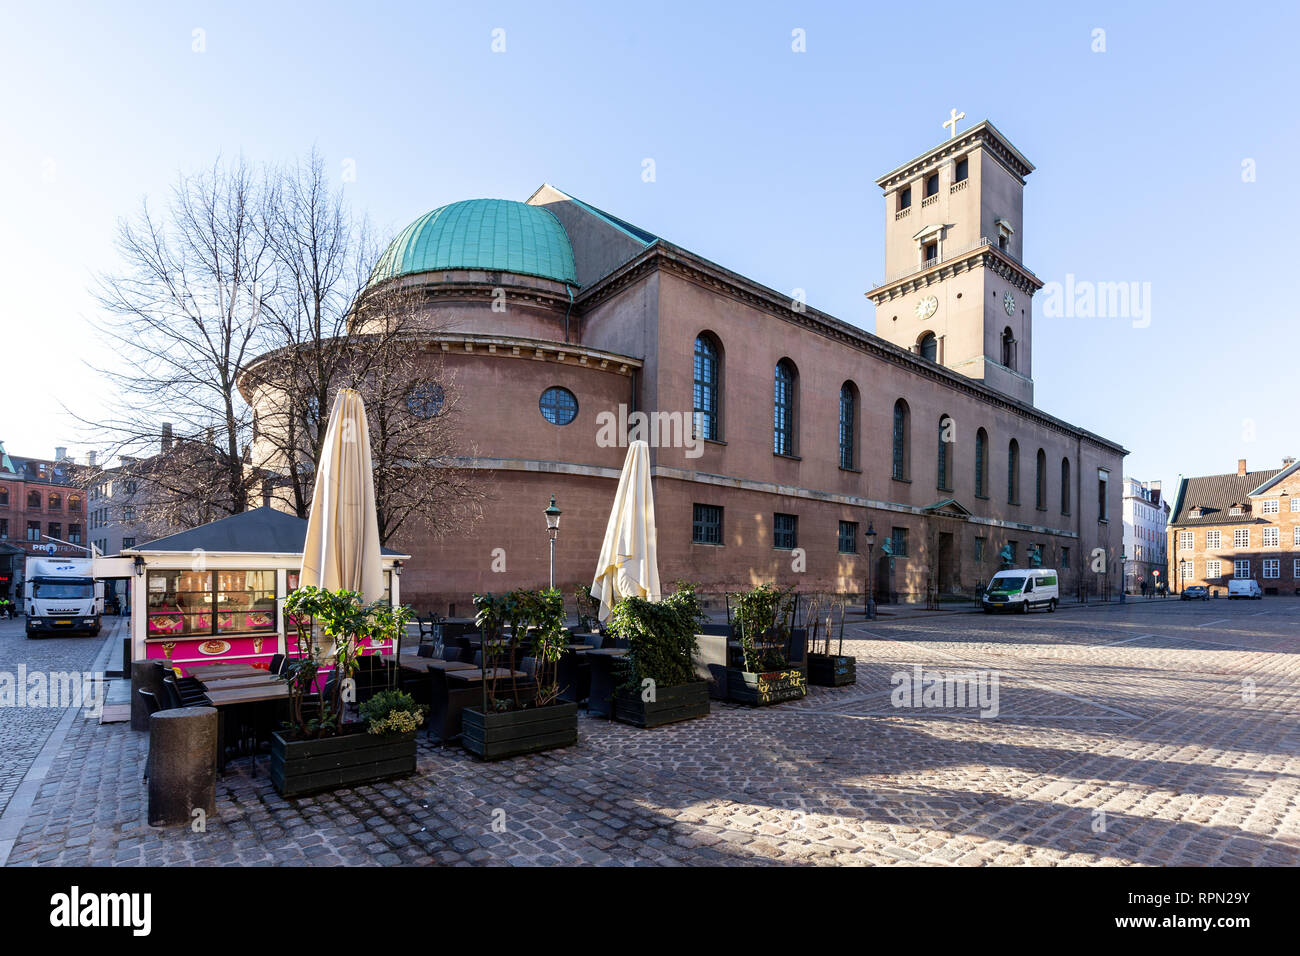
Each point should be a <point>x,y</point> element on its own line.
<point>476,674</point>
<point>267,693</point>
<point>206,672</point>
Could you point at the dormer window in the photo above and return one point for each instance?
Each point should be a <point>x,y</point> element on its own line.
<point>1195,513</point>
<point>1235,511</point>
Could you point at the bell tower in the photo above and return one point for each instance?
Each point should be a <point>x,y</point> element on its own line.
<point>956,291</point>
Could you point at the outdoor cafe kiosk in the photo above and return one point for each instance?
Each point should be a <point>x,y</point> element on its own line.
<point>216,593</point>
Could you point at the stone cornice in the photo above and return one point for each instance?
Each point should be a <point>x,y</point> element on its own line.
<point>986,256</point>
<point>509,346</point>
<point>663,256</point>
<point>984,135</point>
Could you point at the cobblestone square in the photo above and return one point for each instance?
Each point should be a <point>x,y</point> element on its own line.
<point>1156,733</point>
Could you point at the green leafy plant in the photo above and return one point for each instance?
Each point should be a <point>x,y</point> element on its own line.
<point>392,712</point>
<point>762,623</point>
<point>660,636</point>
<point>535,617</point>
<point>341,618</point>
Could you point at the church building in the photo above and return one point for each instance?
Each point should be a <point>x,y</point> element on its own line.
<point>778,433</point>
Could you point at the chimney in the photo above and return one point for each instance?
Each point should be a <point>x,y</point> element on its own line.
<point>1288,461</point>
<point>166,437</point>
<point>60,452</point>
<point>90,458</point>
<point>1241,468</point>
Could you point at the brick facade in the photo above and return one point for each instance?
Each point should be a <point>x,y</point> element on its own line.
<point>1244,524</point>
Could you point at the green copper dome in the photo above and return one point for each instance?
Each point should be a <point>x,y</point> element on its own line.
<point>498,235</point>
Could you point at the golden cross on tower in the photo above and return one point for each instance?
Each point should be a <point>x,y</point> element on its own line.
<point>951,123</point>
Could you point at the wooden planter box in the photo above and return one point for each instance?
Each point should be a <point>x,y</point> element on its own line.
<point>832,670</point>
<point>512,733</point>
<point>772,687</point>
<point>671,704</point>
<point>307,766</point>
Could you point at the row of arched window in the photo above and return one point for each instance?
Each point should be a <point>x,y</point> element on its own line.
<point>947,444</point>
<point>53,503</point>
<point>785,413</point>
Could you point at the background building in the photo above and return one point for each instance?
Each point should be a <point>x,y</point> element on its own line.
<point>554,316</point>
<point>1244,524</point>
<point>1146,515</point>
<point>39,498</point>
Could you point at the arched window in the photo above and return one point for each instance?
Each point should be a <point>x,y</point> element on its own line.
<point>943,470</point>
<point>4,496</point>
<point>848,425</point>
<point>902,439</point>
<point>1065,486</point>
<point>708,375</point>
<point>981,464</point>
<point>1040,481</point>
<point>74,503</point>
<point>928,346</point>
<point>1008,348</point>
<point>784,382</point>
<point>1013,473</point>
<point>56,502</point>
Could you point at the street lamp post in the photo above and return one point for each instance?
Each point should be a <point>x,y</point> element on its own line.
<point>553,529</point>
<point>871,551</point>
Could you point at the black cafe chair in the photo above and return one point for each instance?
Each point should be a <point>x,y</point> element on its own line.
<point>424,650</point>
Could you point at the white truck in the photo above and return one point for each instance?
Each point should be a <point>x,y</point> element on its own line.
<point>61,596</point>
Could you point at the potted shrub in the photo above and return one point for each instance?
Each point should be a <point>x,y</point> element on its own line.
<point>661,685</point>
<point>827,669</point>
<point>318,749</point>
<point>762,623</point>
<point>521,715</point>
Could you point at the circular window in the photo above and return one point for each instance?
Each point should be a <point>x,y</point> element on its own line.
<point>426,400</point>
<point>558,406</point>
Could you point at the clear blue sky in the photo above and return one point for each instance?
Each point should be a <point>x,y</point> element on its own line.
<point>765,160</point>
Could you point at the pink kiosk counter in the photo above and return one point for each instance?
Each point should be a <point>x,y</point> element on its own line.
<point>215,594</point>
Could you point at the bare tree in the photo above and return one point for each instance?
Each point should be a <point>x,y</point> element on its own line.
<point>186,316</point>
<point>416,438</point>
<point>238,314</point>
<point>323,257</point>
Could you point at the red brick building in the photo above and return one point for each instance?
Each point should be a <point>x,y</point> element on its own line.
<point>1244,524</point>
<point>556,317</point>
<point>39,497</point>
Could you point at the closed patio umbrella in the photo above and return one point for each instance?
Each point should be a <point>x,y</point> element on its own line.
<point>342,545</point>
<point>628,563</point>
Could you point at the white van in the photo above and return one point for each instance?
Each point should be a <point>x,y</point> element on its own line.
<point>1244,588</point>
<point>1020,589</point>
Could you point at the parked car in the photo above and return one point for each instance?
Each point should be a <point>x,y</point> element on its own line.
<point>1022,589</point>
<point>1196,592</point>
<point>1244,588</point>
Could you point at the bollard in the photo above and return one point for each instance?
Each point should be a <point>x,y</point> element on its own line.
<point>182,764</point>
<point>144,674</point>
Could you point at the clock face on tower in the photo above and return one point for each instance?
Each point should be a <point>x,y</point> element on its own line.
<point>926,307</point>
<point>1009,303</point>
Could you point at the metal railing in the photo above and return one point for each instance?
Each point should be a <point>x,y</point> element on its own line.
<point>931,263</point>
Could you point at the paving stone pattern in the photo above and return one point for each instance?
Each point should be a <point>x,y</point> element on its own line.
<point>1151,734</point>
